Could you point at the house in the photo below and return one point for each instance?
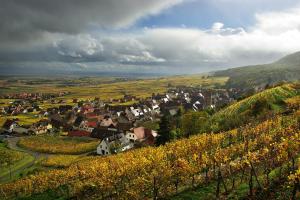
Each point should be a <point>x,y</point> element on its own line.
<point>87,109</point>
<point>94,116</point>
<point>104,132</point>
<point>137,112</point>
<point>129,115</point>
<point>8,124</point>
<point>87,126</point>
<point>107,121</point>
<point>56,120</point>
<point>197,106</point>
<point>15,128</point>
<point>124,124</point>
<point>142,134</point>
<point>79,119</point>
<point>41,127</point>
<point>114,144</point>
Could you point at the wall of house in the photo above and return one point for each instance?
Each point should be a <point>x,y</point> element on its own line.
<point>103,149</point>
<point>131,137</point>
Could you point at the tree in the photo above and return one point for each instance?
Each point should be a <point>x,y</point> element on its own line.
<point>194,122</point>
<point>164,130</point>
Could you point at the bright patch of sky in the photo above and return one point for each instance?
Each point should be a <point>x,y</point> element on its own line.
<point>203,13</point>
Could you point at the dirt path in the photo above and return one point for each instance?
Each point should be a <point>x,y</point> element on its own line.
<point>12,144</point>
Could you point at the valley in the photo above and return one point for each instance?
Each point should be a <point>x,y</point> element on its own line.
<point>183,136</point>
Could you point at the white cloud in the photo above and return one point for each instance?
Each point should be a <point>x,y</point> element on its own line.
<point>109,49</point>
<point>269,39</point>
<point>279,22</point>
<point>78,46</point>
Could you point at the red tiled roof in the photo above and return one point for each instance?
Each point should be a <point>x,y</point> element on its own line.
<point>79,133</point>
<point>145,134</point>
<point>139,132</point>
<point>92,124</point>
<point>91,115</point>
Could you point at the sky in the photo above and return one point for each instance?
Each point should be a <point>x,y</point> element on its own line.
<point>145,36</point>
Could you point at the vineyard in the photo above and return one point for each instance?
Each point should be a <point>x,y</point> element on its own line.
<point>56,145</point>
<point>262,104</point>
<point>11,160</point>
<point>107,88</point>
<point>62,161</point>
<point>8,156</point>
<point>246,155</point>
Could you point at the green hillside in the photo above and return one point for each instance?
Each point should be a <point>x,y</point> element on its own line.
<point>286,69</point>
<point>259,105</point>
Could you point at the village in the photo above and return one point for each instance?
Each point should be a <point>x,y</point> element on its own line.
<point>117,125</point>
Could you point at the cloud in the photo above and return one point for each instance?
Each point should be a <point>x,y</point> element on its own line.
<point>83,46</point>
<point>196,49</point>
<point>166,49</point>
<point>86,48</point>
<point>23,20</point>
<point>279,22</point>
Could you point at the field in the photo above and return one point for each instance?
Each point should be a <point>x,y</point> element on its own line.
<point>11,160</point>
<point>61,161</point>
<point>58,145</point>
<point>24,119</point>
<point>106,89</point>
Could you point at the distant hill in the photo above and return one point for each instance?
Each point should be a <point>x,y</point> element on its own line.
<point>255,107</point>
<point>285,69</point>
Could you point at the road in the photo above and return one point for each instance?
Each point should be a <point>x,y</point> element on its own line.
<point>12,144</point>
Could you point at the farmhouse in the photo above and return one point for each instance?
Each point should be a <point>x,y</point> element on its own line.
<point>41,127</point>
<point>114,144</point>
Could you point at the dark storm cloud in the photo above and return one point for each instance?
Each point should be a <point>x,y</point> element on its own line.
<point>27,19</point>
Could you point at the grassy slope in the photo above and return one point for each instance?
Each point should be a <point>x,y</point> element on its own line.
<point>243,109</point>
<point>18,159</point>
<point>273,96</point>
<point>286,69</point>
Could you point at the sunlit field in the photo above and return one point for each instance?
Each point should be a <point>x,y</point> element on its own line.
<point>56,145</point>
<point>114,89</point>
